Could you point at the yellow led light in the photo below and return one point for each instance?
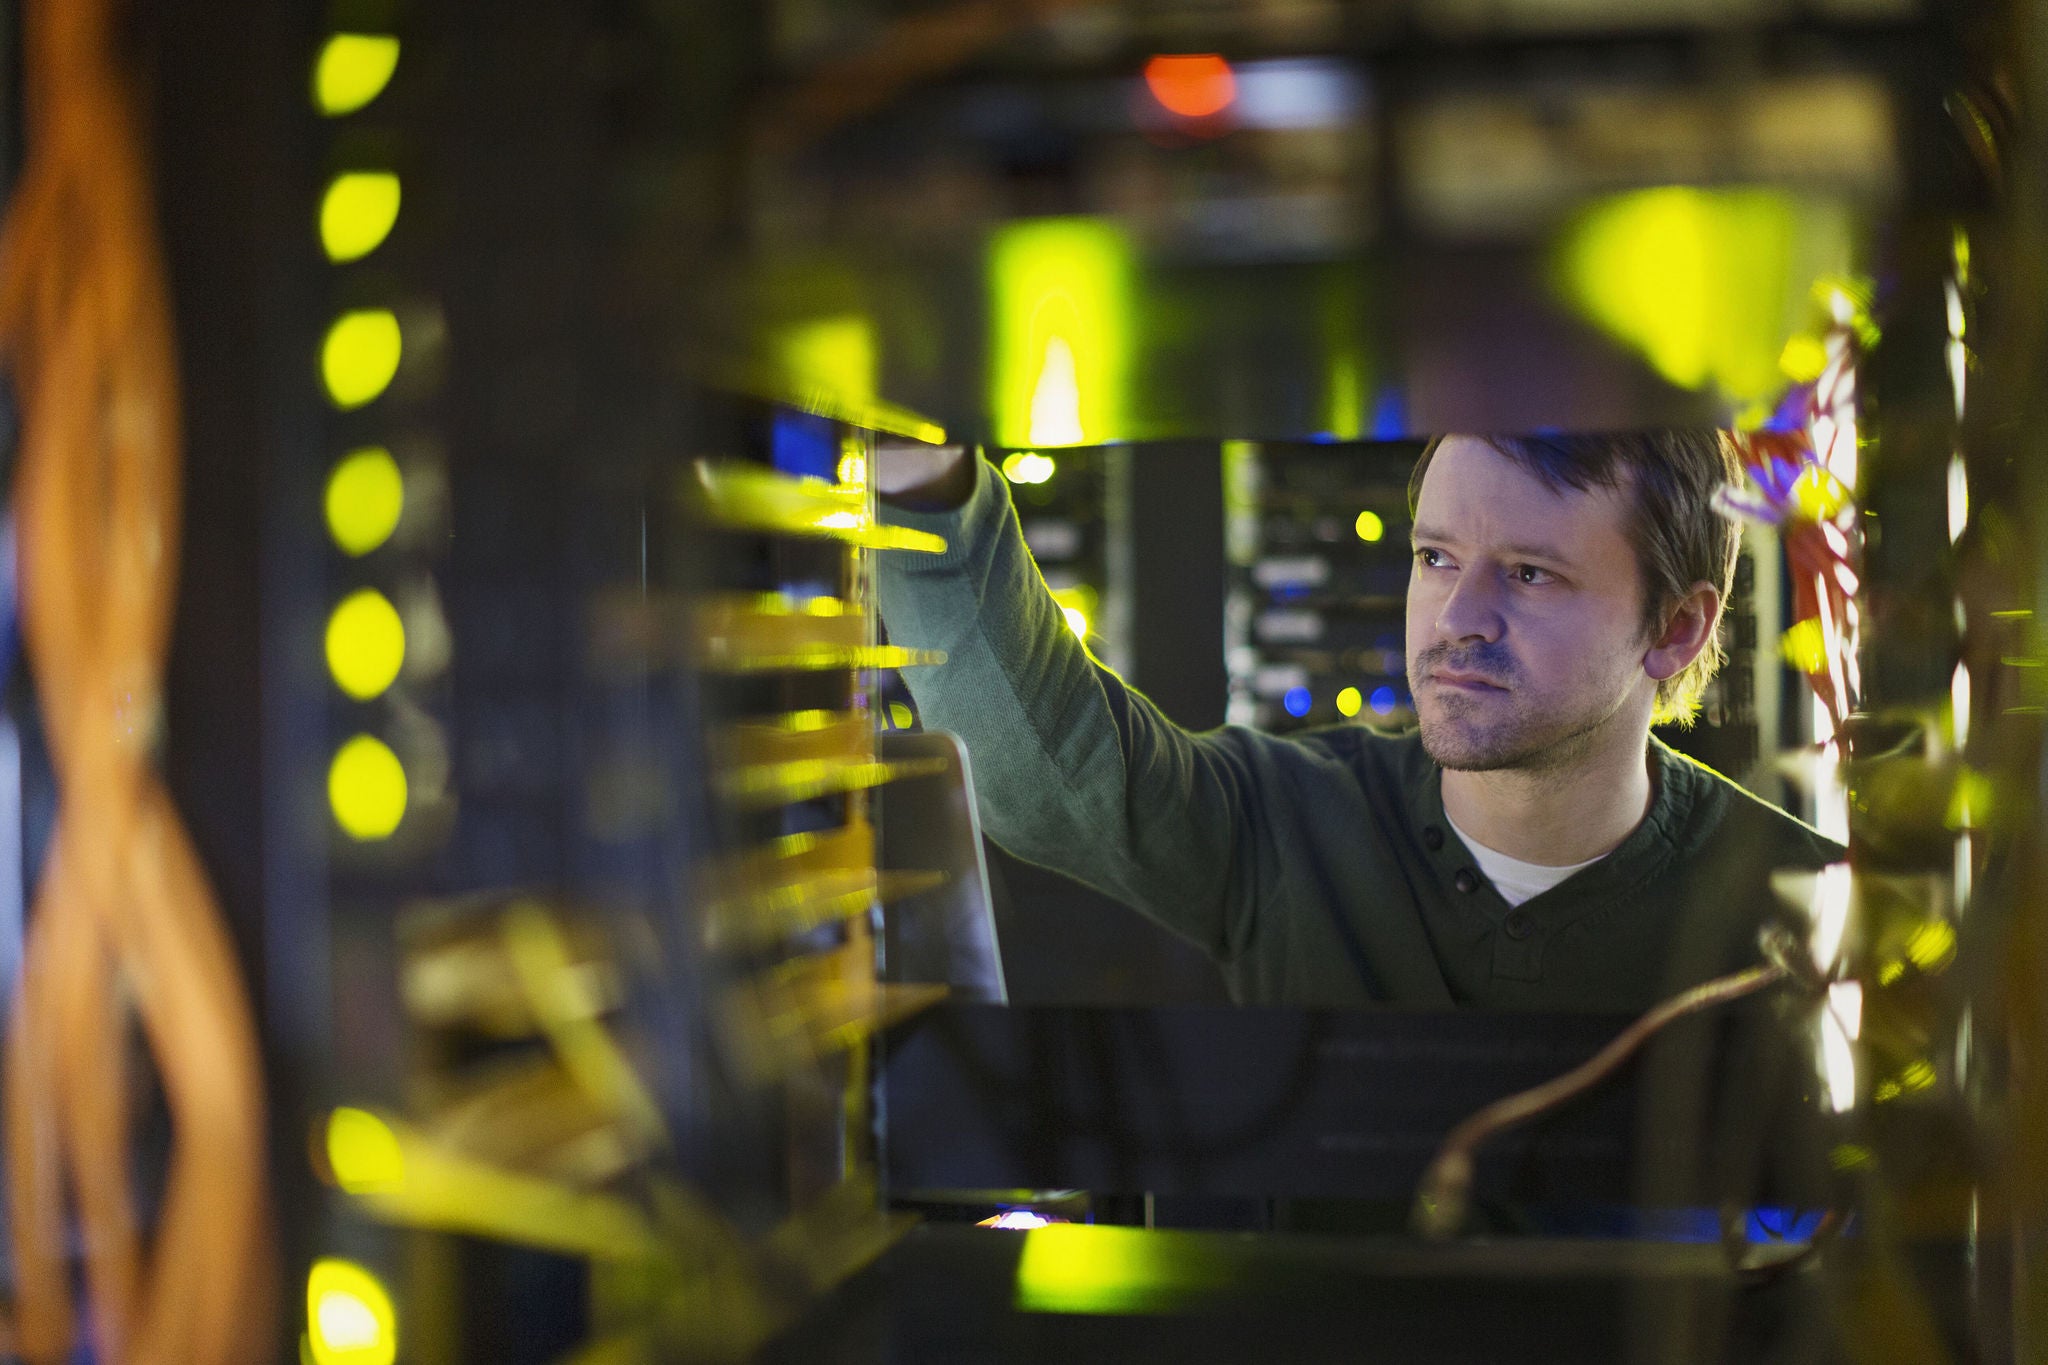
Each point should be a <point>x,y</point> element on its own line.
<point>1369,526</point>
<point>1077,604</point>
<point>357,213</point>
<point>1805,647</point>
<point>1933,946</point>
<point>1803,359</point>
<point>1848,1157</point>
<point>1349,702</point>
<point>1028,466</point>
<point>365,495</point>
<point>352,70</point>
<point>366,788</point>
<point>365,644</point>
<point>363,1152</point>
<point>360,356</point>
<point>1974,798</point>
<point>349,1317</point>
<point>1819,495</point>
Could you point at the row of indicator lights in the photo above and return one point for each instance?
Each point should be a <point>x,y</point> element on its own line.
<point>1299,701</point>
<point>1030,467</point>
<point>349,1315</point>
<point>359,359</point>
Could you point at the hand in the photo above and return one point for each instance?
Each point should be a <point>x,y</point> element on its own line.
<point>925,477</point>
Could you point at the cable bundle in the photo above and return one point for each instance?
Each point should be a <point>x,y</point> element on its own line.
<point>1802,475</point>
<point>124,923</point>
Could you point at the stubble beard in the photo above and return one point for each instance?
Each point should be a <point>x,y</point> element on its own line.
<point>1488,733</point>
<point>1515,741</point>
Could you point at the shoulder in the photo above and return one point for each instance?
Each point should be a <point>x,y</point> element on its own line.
<point>1377,759</point>
<point>1357,748</point>
<point>1723,809</point>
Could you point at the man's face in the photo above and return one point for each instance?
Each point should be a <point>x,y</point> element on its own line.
<point>1524,614</point>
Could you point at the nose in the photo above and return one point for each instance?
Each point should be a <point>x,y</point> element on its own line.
<point>1471,609</point>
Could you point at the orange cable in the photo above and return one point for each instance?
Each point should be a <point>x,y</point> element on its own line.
<point>1446,1185</point>
<point>124,920</point>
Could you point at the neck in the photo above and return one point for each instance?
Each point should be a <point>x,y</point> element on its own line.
<point>1576,811</point>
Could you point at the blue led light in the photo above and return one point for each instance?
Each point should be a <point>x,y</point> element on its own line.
<point>1389,415</point>
<point>1382,702</point>
<point>802,444</point>
<point>1297,701</point>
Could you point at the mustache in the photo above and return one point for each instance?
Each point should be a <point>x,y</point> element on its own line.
<point>1491,661</point>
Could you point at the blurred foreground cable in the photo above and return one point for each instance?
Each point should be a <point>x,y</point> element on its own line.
<point>1446,1187</point>
<point>124,918</point>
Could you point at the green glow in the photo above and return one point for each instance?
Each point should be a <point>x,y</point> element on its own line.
<point>831,362</point>
<point>1707,284</point>
<point>1076,1268</point>
<point>1344,408</point>
<point>1060,291</point>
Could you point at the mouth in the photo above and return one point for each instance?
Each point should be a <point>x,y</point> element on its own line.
<point>1465,682</point>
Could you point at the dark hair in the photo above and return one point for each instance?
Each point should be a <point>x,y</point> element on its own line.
<point>1679,536</point>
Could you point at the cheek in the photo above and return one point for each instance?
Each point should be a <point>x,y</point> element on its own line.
<point>1422,610</point>
<point>1579,648</point>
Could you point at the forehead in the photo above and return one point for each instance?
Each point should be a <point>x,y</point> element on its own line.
<point>1473,493</point>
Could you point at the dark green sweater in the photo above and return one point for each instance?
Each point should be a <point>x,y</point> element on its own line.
<point>1318,869</point>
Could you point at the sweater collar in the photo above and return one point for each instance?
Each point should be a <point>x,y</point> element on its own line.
<point>1648,846</point>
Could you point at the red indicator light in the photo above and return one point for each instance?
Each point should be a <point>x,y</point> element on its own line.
<point>1199,85</point>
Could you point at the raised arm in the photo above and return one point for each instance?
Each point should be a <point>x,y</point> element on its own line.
<point>1073,769</point>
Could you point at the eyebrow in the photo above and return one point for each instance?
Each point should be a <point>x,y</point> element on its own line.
<point>1544,552</point>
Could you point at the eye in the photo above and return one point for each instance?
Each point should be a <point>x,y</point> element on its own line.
<point>1429,558</point>
<point>1531,575</point>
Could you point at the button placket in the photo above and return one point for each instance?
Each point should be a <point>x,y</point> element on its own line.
<point>1518,947</point>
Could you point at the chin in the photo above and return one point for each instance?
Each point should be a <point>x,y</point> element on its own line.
<point>1465,759</point>
<point>1455,748</point>
<point>1462,748</point>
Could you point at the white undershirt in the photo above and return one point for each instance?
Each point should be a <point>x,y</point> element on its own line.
<point>1516,880</point>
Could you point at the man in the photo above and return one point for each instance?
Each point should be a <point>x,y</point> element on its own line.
<point>1531,846</point>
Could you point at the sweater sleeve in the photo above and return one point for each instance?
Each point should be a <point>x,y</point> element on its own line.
<point>1074,769</point>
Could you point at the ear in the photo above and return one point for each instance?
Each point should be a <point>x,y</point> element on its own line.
<point>1687,631</point>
